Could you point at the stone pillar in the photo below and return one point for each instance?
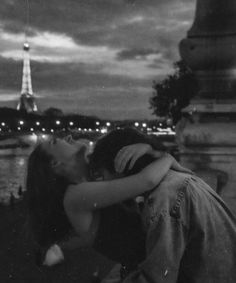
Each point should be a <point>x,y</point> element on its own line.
<point>207,134</point>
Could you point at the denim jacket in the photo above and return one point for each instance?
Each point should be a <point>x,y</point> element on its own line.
<point>191,234</point>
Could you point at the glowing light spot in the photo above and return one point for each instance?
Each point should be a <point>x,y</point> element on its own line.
<point>103,130</point>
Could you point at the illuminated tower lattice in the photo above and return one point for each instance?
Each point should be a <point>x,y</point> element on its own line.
<point>27,99</point>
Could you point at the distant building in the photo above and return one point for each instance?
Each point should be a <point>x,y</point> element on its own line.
<point>27,100</point>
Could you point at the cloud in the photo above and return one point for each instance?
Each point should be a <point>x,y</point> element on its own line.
<point>135,53</point>
<point>92,47</point>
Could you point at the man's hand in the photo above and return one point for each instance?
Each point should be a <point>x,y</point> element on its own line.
<point>130,153</point>
<point>54,255</point>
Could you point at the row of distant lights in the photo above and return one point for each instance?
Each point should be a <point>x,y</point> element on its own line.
<point>103,130</point>
<point>58,122</point>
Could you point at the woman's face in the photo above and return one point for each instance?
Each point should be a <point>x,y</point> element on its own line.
<point>69,154</point>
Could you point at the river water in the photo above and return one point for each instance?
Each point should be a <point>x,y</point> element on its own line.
<point>13,163</point>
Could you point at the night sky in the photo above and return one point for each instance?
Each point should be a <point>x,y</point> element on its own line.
<point>93,57</point>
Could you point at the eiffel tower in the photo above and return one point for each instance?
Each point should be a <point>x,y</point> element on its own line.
<point>27,100</point>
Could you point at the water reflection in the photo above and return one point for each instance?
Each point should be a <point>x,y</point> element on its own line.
<point>12,174</point>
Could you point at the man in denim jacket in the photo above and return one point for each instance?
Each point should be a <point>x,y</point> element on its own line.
<point>191,233</point>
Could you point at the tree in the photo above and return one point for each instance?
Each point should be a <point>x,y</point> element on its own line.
<point>174,93</point>
<point>53,112</point>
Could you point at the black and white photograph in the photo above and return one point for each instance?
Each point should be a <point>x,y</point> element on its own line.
<point>117,141</point>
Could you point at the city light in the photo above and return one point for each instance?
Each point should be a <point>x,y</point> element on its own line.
<point>3,124</point>
<point>144,125</point>
<point>18,128</point>
<point>104,130</point>
<point>31,129</point>
<point>52,131</point>
<point>97,130</point>
<point>33,137</point>
<point>90,130</point>
<point>71,124</point>
<point>136,124</point>
<point>108,124</point>
<point>43,129</point>
<point>21,122</point>
<point>58,122</point>
<point>97,123</point>
<point>37,123</point>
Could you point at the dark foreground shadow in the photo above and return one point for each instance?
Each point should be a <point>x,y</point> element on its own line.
<point>17,255</point>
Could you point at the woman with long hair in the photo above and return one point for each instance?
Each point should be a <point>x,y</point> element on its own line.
<point>63,195</point>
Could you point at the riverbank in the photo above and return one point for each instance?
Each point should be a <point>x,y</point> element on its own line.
<point>18,258</point>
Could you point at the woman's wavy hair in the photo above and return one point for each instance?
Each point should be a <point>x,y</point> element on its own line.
<point>47,220</point>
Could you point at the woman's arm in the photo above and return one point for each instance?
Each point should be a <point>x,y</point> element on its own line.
<point>131,153</point>
<point>94,195</point>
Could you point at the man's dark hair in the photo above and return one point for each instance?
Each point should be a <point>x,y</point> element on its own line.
<point>109,145</point>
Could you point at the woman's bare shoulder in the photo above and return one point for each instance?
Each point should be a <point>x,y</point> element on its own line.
<point>71,195</point>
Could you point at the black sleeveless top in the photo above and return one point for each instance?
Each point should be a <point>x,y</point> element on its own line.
<point>120,236</point>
